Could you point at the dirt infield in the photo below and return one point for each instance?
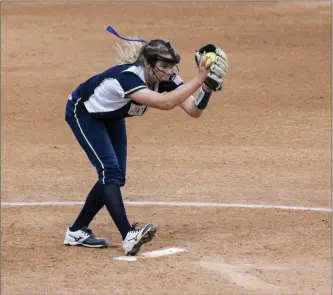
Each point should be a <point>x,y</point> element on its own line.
<point>266,139</point>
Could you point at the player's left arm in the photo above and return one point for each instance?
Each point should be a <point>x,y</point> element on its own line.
<point>194,106</point>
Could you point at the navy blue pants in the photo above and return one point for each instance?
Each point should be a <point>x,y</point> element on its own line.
<point>105,143</point>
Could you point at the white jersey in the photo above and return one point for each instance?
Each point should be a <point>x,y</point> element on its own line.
<point>105,95</point>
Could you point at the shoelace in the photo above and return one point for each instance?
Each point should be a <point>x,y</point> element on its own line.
<point>88,231</point>
<point>133,227</point>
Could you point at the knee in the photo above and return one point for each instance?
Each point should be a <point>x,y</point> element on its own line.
<point>112,176</point>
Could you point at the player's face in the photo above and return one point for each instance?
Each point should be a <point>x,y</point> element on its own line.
<point>163,70</point>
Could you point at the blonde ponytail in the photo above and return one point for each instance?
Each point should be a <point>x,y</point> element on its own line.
<point>128,51</point>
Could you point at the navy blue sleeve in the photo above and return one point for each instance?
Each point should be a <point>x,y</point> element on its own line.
<point>130,82</point>
<point>177,80</point>
<point>174,82</point>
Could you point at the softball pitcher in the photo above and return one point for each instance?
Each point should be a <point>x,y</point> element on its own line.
<point>146,75</point>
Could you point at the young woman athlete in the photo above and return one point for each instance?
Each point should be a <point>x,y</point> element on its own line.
<point>146,75</point>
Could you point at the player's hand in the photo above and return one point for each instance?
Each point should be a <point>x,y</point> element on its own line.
<point>219,66</point>
<point>218,71</point>
<point>203,68</point>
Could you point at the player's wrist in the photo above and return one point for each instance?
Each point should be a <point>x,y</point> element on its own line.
<point>206,88</point>
<point>202,99</point>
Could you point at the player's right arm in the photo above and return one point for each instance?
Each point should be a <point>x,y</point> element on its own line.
<point>168,101</point>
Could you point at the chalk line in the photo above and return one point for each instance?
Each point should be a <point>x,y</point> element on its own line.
<point>182,204</point>
<point>152,254</point>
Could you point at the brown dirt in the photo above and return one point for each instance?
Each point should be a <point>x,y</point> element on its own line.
<point>266,139</point>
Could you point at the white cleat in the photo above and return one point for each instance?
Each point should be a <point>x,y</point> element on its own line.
<point>135,238</point>
<point>84,237</point>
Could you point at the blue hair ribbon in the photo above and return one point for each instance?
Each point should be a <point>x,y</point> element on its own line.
<point>113,32</point>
